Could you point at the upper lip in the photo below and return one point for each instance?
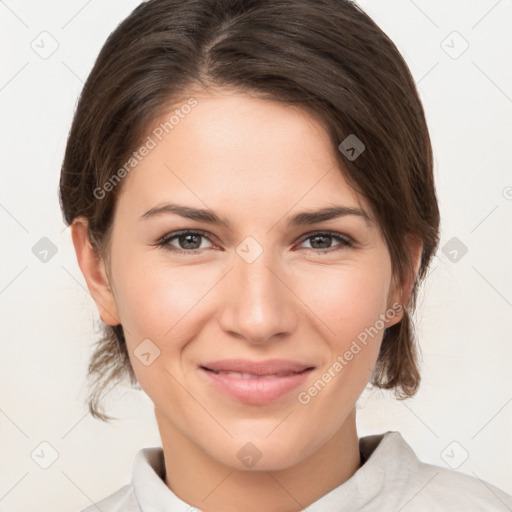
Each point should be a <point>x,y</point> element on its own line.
<point>266,367</point>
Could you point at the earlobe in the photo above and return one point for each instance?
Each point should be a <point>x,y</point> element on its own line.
<point>415,250</point>
<point>93,269</point>
<point>401,292</point>
<point>395,310</point>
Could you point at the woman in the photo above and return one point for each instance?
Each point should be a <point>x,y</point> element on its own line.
<point>250,192</point>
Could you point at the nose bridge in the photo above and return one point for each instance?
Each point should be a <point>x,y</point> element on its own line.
<point>260,283</point>
<point>259,305</point>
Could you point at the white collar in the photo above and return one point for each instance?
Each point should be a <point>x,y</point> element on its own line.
<point>388,462</point>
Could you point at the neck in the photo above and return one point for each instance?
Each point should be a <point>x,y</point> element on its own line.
<point>210,486</point>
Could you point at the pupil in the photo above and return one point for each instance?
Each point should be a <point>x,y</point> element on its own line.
<point>187,243</point>
<point>324,237</point>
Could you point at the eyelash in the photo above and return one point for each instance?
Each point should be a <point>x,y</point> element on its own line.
<point>165,241</point>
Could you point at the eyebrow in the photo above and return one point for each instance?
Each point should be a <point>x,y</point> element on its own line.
<point>300,219</point>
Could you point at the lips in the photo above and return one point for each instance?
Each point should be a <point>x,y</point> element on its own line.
<point>246,369</point>
<point>256,382</point>
<point>238,375</point>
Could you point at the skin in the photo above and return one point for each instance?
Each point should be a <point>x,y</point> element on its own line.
<point>254,162</point>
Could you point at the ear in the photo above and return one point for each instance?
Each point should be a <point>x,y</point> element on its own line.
<point>400,292</point>
<point>93,269</point>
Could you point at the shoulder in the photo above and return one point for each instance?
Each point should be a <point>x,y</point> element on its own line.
<point>147,474</point>
<point>422,486</point>
<point>451,489</point>
<point>122,500</point>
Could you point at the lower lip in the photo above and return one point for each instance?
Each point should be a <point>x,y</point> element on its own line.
<point>256,391</point>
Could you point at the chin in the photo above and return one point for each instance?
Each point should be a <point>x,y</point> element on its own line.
<point>262,455</point>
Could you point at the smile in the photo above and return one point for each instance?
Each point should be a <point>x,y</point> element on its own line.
<point>254,389</point>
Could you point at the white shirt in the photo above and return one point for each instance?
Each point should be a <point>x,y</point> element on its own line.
<point>392,479</point>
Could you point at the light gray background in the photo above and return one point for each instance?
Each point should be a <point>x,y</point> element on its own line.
<point>464,406</point>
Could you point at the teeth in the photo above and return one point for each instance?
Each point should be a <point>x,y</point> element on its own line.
<point>239,375</point>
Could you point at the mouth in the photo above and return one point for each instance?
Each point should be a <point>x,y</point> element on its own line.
<point>247,376</point>
<point>262,368</point>
<point>255,388</point>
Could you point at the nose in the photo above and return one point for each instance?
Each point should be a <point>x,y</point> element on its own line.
<point>258,302</point>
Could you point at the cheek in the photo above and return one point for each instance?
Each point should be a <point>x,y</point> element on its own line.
<point>350,305</point>
<point>347,299</point>
<point>154,299</point>
<point>158,303</point>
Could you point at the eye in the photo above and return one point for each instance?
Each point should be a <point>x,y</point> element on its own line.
<point>190,241</point>
<point>321,242</point>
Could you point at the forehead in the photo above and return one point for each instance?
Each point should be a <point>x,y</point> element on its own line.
<point>233,149</point>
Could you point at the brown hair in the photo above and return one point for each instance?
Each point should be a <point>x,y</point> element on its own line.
<point>327,57</point>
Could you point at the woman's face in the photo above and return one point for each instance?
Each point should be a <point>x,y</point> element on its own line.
<point>260,287</point>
